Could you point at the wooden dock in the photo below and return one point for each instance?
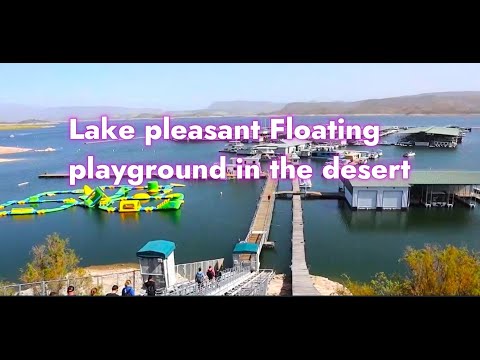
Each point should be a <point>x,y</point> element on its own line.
<point>260,226</point>
<point>310,195</point>
<point>62,176</point>
<point>301,281</point>
<point>53,176</point>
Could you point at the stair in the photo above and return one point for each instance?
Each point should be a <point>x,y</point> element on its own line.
<point>254,285</point>
<point>230,278</point>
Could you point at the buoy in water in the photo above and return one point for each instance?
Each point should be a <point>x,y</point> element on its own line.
<point>221,193</point>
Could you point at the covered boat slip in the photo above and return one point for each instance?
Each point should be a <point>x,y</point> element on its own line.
<point>424,188</point>
<point>444,188</point>
<point>376,194</point>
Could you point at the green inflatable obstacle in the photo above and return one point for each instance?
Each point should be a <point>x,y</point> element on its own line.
<point>152,187</point>
<point>94,197</point>
<point>98,199</point>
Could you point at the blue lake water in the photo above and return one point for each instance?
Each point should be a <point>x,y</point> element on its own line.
<point>218,213</point>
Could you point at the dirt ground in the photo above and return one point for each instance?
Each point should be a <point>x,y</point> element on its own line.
<point>281,285</point>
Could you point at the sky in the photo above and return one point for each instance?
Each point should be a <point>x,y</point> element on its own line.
<point>195,86</point>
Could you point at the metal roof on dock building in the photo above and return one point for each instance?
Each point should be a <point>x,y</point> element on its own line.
<point>423,177</point>
<point>156,248</point>
<point>445,177</point>
<point>433,130</point>
<point>245,248</point>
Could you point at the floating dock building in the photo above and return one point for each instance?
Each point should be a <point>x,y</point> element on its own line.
<point>432,136</point>
<point>423,188</point>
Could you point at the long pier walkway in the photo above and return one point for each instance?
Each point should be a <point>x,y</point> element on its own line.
<point>260,226</point>
<point>301,281</point>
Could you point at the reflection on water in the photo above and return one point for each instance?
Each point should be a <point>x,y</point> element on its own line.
<point>366,220</point>
<point>173,216</point>
<point>28,218</point>
<point>129,217</point>
<point>394,221</point>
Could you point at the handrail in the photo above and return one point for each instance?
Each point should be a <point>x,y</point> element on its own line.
<point>207,287</point>
<point>257,209</point>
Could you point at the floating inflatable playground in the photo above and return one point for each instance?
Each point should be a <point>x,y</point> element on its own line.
<point>122,200</point>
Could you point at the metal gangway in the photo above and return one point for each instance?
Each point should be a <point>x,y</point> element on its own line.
<point>256,285</point>
<point>230,282</point>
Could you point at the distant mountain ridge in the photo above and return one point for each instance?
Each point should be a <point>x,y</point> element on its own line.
<point>18,112</point>
<point>462,102</point>
<point>245,107</point>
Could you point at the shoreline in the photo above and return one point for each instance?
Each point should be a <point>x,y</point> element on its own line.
<point>173,117</point>
<point>14,127</point>
<point>3,160</point>
<point>280,285</point>
<point>7,150</point>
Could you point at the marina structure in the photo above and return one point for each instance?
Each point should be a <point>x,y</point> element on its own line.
<point>432,136</point>
<point>423,188</point>
<point>259,229</point>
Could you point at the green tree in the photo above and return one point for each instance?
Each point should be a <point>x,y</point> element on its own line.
<point>431,271</point>
<point>442,271</point>
<point>54,260</point>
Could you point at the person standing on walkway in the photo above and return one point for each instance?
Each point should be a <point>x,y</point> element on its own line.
<point>150,286</point>
<point>128,289</point>
<point>114,291</point>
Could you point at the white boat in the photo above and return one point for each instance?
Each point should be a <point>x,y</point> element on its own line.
<point>316,154</point>
<point>232,147</point>
<point>252,160</point>
<point>49,149</point>
<point>305,183</point>
<point>409,154</point>
<point>379,152</point>
<point>23,184</point>
<point>373,155</point>
<point>294,159</point>
<point>249,151</point>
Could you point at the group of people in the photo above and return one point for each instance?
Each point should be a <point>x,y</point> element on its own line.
<point>127,290</point>
<point>211,275</point>
<point>150,286</point>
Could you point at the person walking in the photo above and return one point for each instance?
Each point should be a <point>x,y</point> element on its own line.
<point>210,273</point>
<point>199,277</point>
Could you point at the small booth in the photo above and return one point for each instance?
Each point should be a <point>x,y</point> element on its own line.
<point>156,258</point>
<point>246,253</point>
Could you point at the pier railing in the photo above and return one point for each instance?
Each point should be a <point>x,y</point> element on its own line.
<point>82,285</point>
<point>254,286</point>
<point>104,282</point>
<point>215,286</point>
<point>267,218</point>
<point>188,271</point>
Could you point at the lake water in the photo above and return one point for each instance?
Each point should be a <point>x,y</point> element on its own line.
<point>216,214</point>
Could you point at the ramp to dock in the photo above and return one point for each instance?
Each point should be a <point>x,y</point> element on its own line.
<point>260,226</point>
<point>311,195</point>
<point>301,281</point>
